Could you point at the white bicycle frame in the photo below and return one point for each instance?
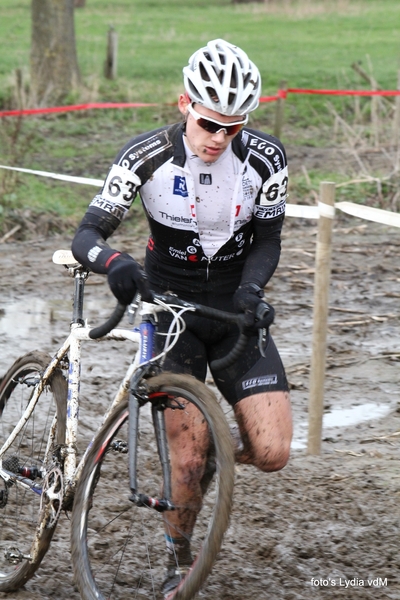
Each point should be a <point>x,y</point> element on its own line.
<point>72,348</point>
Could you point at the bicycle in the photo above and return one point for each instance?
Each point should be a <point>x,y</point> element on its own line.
<point>40,475</point>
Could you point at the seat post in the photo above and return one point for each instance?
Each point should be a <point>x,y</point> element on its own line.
<point>80,276</point>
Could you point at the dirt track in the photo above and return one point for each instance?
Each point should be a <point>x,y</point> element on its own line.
<point>326,526</point>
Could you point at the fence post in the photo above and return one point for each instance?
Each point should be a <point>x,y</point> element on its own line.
<point>280,103</point>
<point>396,128</point>
<point>320,316</point>
<point>20,89</point>
<point>110,65</point>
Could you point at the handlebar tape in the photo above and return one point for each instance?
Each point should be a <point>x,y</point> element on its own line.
<point>229,359</point>
<point>214,313</point>
<point>221,363</point>
<point>102,330</point>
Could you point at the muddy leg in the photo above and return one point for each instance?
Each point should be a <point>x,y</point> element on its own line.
<point>188,444</point>
<point>265,423</point>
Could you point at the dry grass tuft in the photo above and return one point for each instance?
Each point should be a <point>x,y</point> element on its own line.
<point>303,9</point>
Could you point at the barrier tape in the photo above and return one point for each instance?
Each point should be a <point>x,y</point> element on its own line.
<point>281,94</point>
<point>377,215</point>
<point>60,109</point>
<point>72,178</point>
<point>326,210</point>
<point>344,92</point>
<point>302,211</point>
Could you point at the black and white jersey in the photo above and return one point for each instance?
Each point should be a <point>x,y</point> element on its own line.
<point>206,220</point>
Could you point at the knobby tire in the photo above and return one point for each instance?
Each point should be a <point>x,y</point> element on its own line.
<point>24,528</point>
<point>103,518</point>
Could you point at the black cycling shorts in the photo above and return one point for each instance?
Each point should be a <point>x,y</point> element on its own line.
<point>205,340</point>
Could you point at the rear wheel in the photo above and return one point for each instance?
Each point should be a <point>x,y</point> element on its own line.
<point>27,516</point>
<point>118,548</point>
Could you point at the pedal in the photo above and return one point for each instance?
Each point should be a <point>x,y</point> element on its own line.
<point>119,446</point>
<point>14,556</point>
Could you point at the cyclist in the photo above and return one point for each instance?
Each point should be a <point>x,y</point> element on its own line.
<point>214,193</point>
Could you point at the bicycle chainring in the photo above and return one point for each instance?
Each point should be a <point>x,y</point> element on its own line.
<point>52,497</point>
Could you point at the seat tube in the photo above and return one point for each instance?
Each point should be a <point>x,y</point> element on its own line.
<point>74,374</point>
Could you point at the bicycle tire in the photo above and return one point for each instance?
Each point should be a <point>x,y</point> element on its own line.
<point>25,528</point>
<point>99,513</point>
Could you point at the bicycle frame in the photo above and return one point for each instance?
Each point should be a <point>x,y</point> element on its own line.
<point>70,352</point>
<point>142,337</point>
<point>53,476</point>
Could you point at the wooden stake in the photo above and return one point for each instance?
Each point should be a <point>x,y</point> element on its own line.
<point>280,103</point>
<point>374,109</point>
<point>396,128</point>
<point>372,82</point>
<point>20,88</point>
<point>110,65</point>
<point>357,67</point>
<point>320,317</point>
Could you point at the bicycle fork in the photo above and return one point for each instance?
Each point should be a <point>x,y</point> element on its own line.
<point>136,400</point>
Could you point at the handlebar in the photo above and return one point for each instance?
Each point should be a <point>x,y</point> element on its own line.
<point>229,359</point>
<point>102,330</point>
<point>201,310</point>
<point>218,315</point>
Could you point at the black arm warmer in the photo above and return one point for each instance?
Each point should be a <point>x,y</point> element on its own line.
<point>264,254</point>
<point>89,244</point>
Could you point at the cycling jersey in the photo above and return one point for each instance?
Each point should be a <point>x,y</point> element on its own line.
<point>212,225</point>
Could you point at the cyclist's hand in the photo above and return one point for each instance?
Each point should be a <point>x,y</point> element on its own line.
<point>249,299</point>
<point>126,277</point>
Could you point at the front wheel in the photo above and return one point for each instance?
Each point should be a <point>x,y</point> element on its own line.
<point>119,548</point>
<point>27,518</point>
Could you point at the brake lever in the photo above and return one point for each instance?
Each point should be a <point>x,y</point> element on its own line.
<point>132,308</point>
<point>261,312</point>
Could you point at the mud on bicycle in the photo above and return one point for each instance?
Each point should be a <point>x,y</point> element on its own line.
<point>120,492</point>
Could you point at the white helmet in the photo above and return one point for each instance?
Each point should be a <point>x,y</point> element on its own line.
<point>221,77</point>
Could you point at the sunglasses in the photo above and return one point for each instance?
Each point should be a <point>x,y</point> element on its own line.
<point>213,126</point>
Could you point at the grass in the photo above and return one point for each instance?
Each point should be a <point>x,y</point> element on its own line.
<point>308,43</point>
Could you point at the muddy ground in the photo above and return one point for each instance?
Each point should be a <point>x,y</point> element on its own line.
<point>326,526</point>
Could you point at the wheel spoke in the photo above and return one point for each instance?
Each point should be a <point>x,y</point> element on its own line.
<point>119,548</point>
<point>25,471</point>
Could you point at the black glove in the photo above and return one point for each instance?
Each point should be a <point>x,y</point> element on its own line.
<point>249,299</point>
<point>126,277</point>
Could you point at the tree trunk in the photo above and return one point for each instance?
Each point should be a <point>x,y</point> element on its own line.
<point>54,65</point>
<point>79,3</point>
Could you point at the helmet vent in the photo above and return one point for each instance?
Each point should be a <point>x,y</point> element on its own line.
<point>221,77</point>
<point>204,75</point>
<point>213,94</point>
